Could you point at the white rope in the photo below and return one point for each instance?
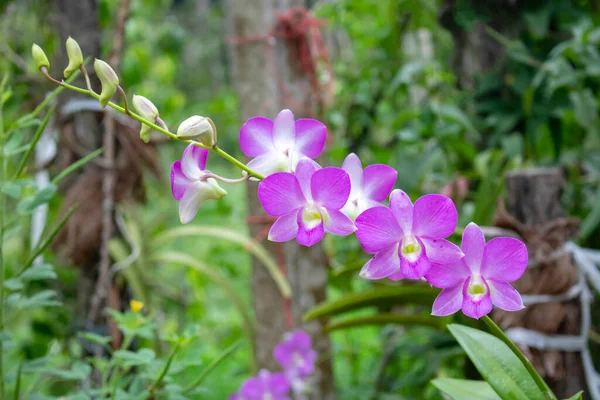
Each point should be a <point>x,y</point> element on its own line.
<point>587,261</point>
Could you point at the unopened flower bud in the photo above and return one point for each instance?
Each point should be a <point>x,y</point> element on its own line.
<point>197,128</point>
<point>109,79</point>
<point>75,57</point>
<point>148,111</point>
<point>39,57</point>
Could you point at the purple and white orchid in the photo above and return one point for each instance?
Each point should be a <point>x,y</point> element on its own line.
<point>307,203</point>
<point>407,238</point>
<point>191,183</point>
<point>296,355</point>
<point>480,279</point>
<point>266,386</point>
<point>279,145</point>
<point>369,187</point>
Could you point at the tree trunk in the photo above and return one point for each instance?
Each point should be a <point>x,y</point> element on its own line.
<point>257,66</point>
<point>533,202</point>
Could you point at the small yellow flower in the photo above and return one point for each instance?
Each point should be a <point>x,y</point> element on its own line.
<point>136,306</point>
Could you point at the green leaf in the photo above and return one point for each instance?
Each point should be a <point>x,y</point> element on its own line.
<point>28,204</point>
<point>45,298</point>
<point>497,364</point>
<point>586,108</point>
<point>76,165</point>
<point>11,189</point>
<point>14,284</point>
<point>460,389</point>
<point>95,338</point>
<point>133,359</point>
<point>79,371</point>
<point>385,319</point>
<point>410,294</point>
<point>214,364</point>
<point>39,272</point>
<point>576,396</point>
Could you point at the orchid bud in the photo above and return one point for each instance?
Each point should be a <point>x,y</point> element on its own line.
<point>197,128</point>
<point>39,57</point>
<point>75,57</point>
<point>148,111</point>
<point>109,79</point>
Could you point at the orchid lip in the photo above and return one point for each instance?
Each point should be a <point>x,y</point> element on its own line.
<point>477,287</point>
<point>411,248</point>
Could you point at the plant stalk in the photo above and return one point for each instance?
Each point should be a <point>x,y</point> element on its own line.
<point>2,228</point>
<point>499,333</point>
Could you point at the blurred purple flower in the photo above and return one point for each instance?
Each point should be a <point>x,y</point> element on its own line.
<point>308,203</point>
<point>278,145</point>
<point>190,185</point>
<point>406,239</point>
<point>266,386</point>
<point>295,355</point>
<point>482,277</point>
<point>369,187</point>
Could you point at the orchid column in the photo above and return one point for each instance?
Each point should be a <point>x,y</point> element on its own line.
<point>257,84</point>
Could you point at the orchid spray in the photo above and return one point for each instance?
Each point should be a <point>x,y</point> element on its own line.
<point>407,240</point>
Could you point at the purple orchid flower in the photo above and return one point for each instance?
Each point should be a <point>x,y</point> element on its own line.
<point>191,184</point>
<point>308,203</point>
<point>295,355</point>
<point>482,277</point>
<point>266,386</point>
<point>279,145</point>
<point>406,239</point>
<point>369,187</point>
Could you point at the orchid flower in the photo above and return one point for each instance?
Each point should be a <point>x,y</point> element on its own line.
<point>480,279</point>
<point>308,203</point>
<point>191,184</point>
<point>369,187</point>
<point>278,145</point>
<point>407,238</point>
<point>266,386</point>
<point>295,355</point>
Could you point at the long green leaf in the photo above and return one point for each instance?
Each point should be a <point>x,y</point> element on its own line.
<point>220,280</point>
<point>214,364</point>
<point>410,294</point>
<point>231,235</point>
<point>576,396</point>
<point>34,140</point>
<point>497,364</point>
<point>76,165</point>
<point>385,319</point>
<point>461,389</point>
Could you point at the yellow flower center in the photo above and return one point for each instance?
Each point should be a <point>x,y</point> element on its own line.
<point>411,248</point>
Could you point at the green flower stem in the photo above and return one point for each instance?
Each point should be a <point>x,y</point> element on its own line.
<point>499,333</point>
<point>164,371</point>
<point>156,127</point>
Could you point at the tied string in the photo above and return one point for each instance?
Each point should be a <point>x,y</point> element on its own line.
<point>260,236</point>
<point>301,31</point>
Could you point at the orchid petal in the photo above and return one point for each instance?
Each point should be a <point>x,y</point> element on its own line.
<point>190,203</point>
<point>338,223</point>
<point>448,302</point>
<point>364,204</point>
<point>193,161</point>
<point>434,216</point>
<point>396,275</point>
<point>353,167</point>
<point>308,235</point>
<point>179,181</point>
<point>442,251</point>
<point>378,181</point>
<point>310,137</point>
<point>402,208</point>
<point>414,268</point>
<point>377,229</point>
<point>448,275</point>
<point>269,163</point>
<point>473,244</point>
<point>256,136</point>
<point>284,131</point>
<point>476,306</point>
<point>285,228</point>
<point>383,264</point>
<point>505,296</point>
<point>330,187</point>
<point>280,194</point>
<point>278,384</point>
<point>304,172</point>
<point>504,259</point>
